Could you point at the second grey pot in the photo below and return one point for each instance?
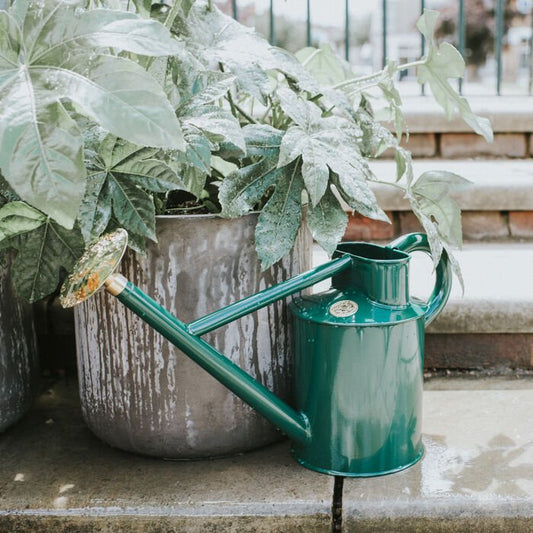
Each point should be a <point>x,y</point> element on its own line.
<point>18,353</point>
<point>141,394</point>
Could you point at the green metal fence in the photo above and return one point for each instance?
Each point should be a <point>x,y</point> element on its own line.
<point>498,21</point>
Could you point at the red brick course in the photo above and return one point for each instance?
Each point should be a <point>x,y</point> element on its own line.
<point>521,224</point>
<point>361,228</point>
<point>479,350</point>
<point>478,225</point>
<point>459,145</point>
<point>419,144</point>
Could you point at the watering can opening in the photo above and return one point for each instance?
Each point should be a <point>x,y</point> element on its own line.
<point>371,252</point>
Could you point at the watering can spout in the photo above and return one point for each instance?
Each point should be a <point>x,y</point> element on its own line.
<point>96,268</point>
<point>291,422</point>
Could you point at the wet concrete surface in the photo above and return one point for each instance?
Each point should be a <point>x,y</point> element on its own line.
<point>476,475</point>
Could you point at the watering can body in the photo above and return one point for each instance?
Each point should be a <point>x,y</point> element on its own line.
<point>358,353</point>
<point>359,366</point>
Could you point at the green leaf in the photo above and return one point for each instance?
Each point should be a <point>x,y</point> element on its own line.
<point>17,218</point>
<point>95,210</point>
<point>63,26</point>
<point>392,95</point>
<point>121,174</point>
<point>330,144</point>
<point>120,96</point>
<point>280,219</point>
<point>43,254</point>
<point>327,222</point>
<point>10,39</point>
<point>242,190</point>
<point>324,64</point>
<point>133,208</point>
<point>431,191</point>
<point>218,125</point>
<point>197,149</point>
<point>64,53</point>
<point>443,62</point>
<point>41,151</point>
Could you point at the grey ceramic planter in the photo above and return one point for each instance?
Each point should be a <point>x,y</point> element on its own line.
<point>18,353</point>
<point>141,394</point>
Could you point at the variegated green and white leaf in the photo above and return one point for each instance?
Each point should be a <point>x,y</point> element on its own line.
<point>327,222</point>
<point>280,219</point>
<point>43,254</point>
<point>17,218</point>
<point>443,62</point>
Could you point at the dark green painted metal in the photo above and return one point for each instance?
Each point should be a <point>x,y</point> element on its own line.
<point>418,242</point>
<point>266,297</point>
<point>347,30</point>
<point>361,389</point>
<point>358,371</point>
<point>499,45</point>
<point>384,24</point>
<point>308,24</point>
<point>359,378</point>
<point>461,35</point>
<point>292,423</point>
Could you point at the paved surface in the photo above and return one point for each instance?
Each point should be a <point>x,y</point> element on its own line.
<point>476,475</point>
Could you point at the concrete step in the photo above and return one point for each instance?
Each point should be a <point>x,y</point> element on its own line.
<point>490,324</point>
<point>497,185</point>
<point>476,475</point>
<point>507,114</point>
<point>498,205</point>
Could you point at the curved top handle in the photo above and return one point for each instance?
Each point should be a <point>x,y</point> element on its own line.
<point>418,242</point>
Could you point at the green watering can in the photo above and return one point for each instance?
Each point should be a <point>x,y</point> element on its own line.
<point>358,373</point>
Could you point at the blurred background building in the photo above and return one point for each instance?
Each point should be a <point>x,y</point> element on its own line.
<point>495,36</point>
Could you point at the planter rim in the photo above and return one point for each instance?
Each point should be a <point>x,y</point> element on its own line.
<point>207,216</point>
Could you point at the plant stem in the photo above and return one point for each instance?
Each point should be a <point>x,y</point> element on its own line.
<point>376,75</point>
<point>173,13</point>
<point>311,56</point>
<point>390,183</point>
<point>235,106</point>
<point>210,5</point>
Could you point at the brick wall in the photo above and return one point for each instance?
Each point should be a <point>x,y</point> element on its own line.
<point>477,225</point>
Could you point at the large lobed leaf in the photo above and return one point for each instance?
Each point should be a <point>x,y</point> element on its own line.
<point>242,190</point>
<point>45,250</point>
<point>443,62</point>
<point>54,51</point>
<point>327,144</point>
<point>119,178</point>
<point>280,218</point>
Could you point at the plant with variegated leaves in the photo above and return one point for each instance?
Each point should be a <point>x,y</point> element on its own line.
<point>107,116</point>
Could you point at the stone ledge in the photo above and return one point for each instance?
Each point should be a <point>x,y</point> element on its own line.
<point>507,114</point>
<point>476,475</point>
<point>55,476</point>
<point>497,185</point>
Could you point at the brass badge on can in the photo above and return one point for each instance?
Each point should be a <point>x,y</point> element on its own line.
<point>343,308</point>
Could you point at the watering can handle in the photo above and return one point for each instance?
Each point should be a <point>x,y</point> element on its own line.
<point>418,242</point>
